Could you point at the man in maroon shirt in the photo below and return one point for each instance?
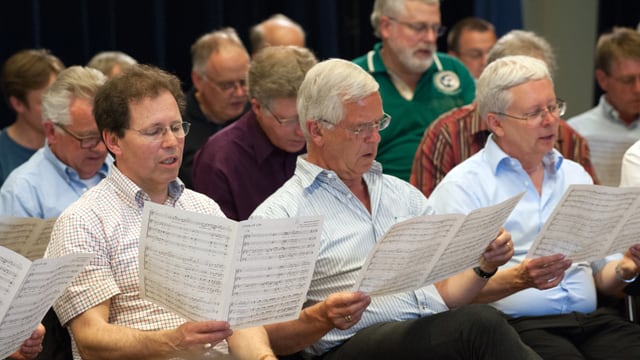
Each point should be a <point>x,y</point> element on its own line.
<point>244,163</point>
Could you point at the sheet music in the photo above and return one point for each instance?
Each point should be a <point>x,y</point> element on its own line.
<point>590,222</point>
<point>27,236</point>
<point>477,231</point>
<point>205,267</point>
<point>274,265</point>
<point>425,249</point>
<point>606,154</point>
<point>399,259</point>
<point>34,289</point>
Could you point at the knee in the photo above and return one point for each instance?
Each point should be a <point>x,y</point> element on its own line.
<point>484,318</point>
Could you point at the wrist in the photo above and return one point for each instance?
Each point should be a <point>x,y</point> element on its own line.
<point>484,274</point>
<point>624,276</point>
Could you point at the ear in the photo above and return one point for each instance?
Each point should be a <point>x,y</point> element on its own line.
<point>17,105</point>
<point>385,27</point>
<point>112,141</point>
<point>316,132</point>
<point>494,124</point>
<point>603,79</point>
<point>196,80</point>
<point>50,132</point>
<point>255,106</point>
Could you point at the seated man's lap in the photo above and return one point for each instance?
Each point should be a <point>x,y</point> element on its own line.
<point>470,332</point>
<point>602,334</point>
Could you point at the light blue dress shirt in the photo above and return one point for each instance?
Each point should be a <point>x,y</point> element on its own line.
<point>604,119</point>
<point>43,186</point>
<point>491,176</point>
<point>349,234</point>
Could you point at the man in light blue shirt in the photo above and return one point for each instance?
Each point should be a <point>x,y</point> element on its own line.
<point>550,301</point>
<point>340,110</point>
<point>614,124</point>
<point>73,160</point>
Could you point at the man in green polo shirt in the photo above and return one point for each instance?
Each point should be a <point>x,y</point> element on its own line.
<point>417,84</point>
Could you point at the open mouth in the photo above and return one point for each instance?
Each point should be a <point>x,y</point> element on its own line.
<point>169,161</point>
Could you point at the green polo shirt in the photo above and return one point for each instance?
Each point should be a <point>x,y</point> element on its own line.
<point>410,118</point>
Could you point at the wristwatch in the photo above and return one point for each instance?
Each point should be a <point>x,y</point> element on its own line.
<point>484,274</point>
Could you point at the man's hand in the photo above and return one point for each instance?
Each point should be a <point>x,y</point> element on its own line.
<point>343,310</point>
<point>32,346</point>
<point>499,252</point>
<point>542,273</point>
<point>193,339</point>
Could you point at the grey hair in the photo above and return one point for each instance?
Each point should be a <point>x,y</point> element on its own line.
<point>492,88</point>
<point>212,42</point>
<point>328,86</point>
<point>391,8</point>
<point>105,61</point>
<point>520,42</point>
<point>75,82</point>
<point>277,72</point>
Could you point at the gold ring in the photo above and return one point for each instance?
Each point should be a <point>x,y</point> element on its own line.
<point>347,318</point>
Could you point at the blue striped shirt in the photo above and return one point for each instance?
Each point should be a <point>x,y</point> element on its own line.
<point>348,235</point>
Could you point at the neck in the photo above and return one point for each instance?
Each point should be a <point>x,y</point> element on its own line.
<point>208,113</point>
<point>395,68</point>
<point>27,135</point>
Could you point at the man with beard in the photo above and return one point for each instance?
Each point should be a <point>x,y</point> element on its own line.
<point>417,84</point>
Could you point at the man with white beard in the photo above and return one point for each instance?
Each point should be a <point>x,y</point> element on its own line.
<point>417,83</point>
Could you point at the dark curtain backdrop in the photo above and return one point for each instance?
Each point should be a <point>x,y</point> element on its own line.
<point>160,32</point>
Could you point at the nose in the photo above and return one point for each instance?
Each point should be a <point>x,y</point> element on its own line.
<point>239,89</point>
<point>429,36</point>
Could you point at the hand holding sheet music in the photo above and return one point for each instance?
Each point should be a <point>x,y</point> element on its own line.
<point>427,249</point>
<point>591,222</point>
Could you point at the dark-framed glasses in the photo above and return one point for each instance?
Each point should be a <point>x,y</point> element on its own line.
<point>366,130</point>
<point>535,117</point>
<point>156,133</point>
<point>86,142</point>
<point>288,122</point>
<point>226,86</point>
<point>421,27</point>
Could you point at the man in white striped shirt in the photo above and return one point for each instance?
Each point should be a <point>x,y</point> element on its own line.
<point>341,113</point>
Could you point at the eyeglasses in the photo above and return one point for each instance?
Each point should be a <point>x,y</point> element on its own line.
<point>421,27</point>
<point>226,86</point>
<point>156,133</point>
<point>474,54</point>
<point>290,122</point>
<point>629,80</point>
<point>86,142</point>
<point>535,117</point>
<point>366,130</point>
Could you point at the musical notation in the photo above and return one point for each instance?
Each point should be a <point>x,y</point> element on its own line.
<point>28,289</point>
<point>206,267</point>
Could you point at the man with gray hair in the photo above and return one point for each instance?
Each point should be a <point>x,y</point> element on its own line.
<point>417,84</point>
<point>220,64</point>
<point>549,300</point>
<point>341,114</point>
<point>73,160</point>
<point>74,157</point>
<point>244,163</point>
<point>460,133</point>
